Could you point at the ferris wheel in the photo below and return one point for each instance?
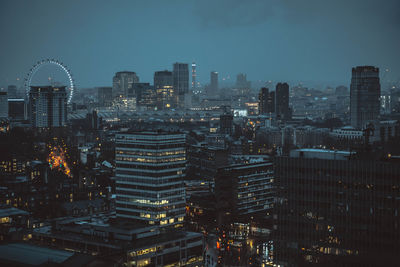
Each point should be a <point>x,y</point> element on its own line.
<point>41,63</point>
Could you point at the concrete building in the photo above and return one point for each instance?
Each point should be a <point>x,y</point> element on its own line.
<point>149,177</point>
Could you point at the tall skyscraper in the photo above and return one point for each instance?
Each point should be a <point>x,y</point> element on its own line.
<point>214,81</point>
<point>123,83</point>
<point>266,101</point>
<point>181,81</point>
<point>150,167</point>
<point>194,74</point>
<point>165,90</point>
<point>3,105</point>
<point>365,92</point>
<point>282,101</point>
<point>48,106</point>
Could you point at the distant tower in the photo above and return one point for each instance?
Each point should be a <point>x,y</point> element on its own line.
<point>282,101</point>
<point>365,92</point>
<point>181,81</point>
<point>193,76</point>
<point>48,106</point>
<point>123,83</point>
<point>165,91</point>
<point>214,81</point>
<point>266,102</point>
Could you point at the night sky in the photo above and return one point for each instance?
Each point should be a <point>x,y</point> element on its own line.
<point>286,40</point>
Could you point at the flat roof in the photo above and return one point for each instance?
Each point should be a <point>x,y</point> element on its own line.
<point>31,254</point>
<point>11,211</point>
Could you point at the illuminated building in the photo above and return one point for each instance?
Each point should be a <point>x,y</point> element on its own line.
<point>181,81</point>
<point>123,83</point>
<point>165,91</point>
<point>150,167</point>
<point>194,74</point>
<point>3,105</point>
<point>145,96</point>
<point>48,106</point>
<point>365,92</point>
<point>333,207</point>
<point>282,101</point>
<point>245,190</point>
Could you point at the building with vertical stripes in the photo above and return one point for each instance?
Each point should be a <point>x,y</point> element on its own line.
<point>150,167</point>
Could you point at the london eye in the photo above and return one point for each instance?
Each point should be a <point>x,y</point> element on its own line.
<point>60,65</point>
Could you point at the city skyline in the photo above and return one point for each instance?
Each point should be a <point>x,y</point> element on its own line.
<point>256,38</point>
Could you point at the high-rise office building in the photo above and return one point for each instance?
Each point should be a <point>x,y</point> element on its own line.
<point>245,190</point>
<point>214,81</point>
<point>123,83</point>
<point>282,101</point>
<point>365,92</point>
<point>104,96</point>
<point>194,75</point>
<point>3,105</point>
<point>146,97</point>
<point>165,90</point>
<point>150,167</point>
<point>266,101</point>
<point>334,209</point>
<point>48,106</point>
<point>181,82</point>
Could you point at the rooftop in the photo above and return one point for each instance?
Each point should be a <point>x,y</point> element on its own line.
<point>27,254</point>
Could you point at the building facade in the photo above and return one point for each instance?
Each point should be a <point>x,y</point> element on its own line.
<point>150,167</point>
<point>266,101</point>
<point>48,106</point>
<point>165,90</point>
<point>123,83</point>
<point>181,81</point>
<point>365,92</point>
<point>245,190</point>
<point>282,101</point>
<point>104,96</point>
<point>336,210</point>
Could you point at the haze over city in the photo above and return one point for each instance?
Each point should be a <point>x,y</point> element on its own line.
<point>309,40</point>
